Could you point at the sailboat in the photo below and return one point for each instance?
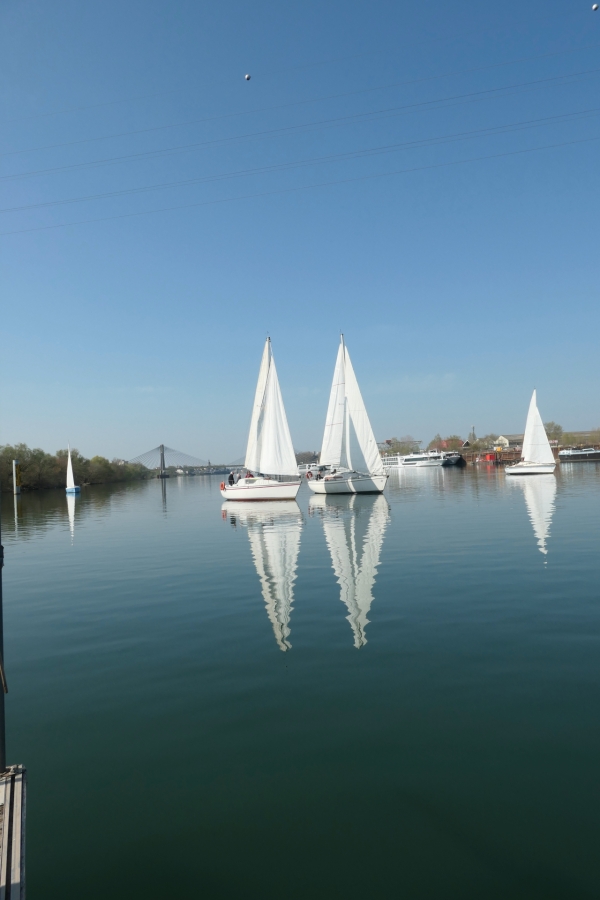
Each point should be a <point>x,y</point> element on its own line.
<point>540,495</point>
<point>349,447</point>
<point>354,530</point>
<point>270,450</point>
<point>537,457</point>
<point>72,488</point>
<point>274,532</point>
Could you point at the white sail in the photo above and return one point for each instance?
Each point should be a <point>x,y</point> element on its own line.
<point>253,448</point>
<point>540,495</point>
<point>71,513</point>
<point>536,447</point>
<point>347,418</point>
<point>274,531</point>
<point>70,478</point>
<point>357,414</point>
<point>354,562</point>
<point>270,450</point>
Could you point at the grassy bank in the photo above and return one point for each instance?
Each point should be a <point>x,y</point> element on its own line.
<point>45,470</point>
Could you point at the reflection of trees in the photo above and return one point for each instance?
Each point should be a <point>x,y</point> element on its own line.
<point>38,511</point>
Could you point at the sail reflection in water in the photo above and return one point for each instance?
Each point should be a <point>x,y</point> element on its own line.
<point>71,511</point>
<point>274,530</point>
<point>540,494</point>
<point>354,530</point>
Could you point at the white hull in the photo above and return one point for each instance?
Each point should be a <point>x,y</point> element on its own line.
<point>348,484</point>
<point>523,468</point>
<point>261,489</point>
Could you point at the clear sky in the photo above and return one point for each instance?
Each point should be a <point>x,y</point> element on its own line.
<point>424,177</point>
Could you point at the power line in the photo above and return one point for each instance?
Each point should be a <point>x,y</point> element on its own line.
<point>300,102</point>
<point>340,120</point>
<point>304,187</point>
<point>442,39</point>
<point>491,131</point>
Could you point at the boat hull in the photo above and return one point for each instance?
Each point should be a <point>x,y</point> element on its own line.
<point>353,484</point>
<point>531,469</point>
<point>261,489</point>
<point>73,490</point>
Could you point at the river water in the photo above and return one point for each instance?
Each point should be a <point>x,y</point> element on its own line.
<point>358,697</point>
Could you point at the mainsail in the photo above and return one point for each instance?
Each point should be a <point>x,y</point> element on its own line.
<point>536,447</point>
<point>354,550</point>
<point>274,531</point>
<point>70,478</point>
<point>347,424</point>
<point>270,450</point>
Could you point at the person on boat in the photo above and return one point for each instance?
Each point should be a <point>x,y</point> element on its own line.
<point>231,479</point>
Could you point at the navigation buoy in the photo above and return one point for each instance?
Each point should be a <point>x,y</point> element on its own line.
<point>247,77</point>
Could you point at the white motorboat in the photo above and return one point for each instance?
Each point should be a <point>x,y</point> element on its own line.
<point>417,460</point>
<point>72,488</point>
<point>270,451</point>
<point>354,530</point>
<point>274,531</point>
<point>537,456</point>
<point>349,446</point>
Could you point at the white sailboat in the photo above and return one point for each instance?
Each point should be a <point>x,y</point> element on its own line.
<point>540,495</point>
<point>72,488</point>
<point>270,450</point>
<point>354,530</point>
<point>274,531</point>
<point>537,457</point>
<point>349,446</point>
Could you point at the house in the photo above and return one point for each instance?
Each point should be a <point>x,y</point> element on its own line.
<point>509,440</point>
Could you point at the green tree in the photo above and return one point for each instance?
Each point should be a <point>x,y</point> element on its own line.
<point>554,431</point>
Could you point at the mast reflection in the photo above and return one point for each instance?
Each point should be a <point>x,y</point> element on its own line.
<point>274,530</point>
<point>354,530</point>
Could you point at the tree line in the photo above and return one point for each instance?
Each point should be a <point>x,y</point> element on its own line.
<point>45,470</point>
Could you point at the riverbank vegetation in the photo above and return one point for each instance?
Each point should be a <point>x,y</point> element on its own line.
<point>44,470</point>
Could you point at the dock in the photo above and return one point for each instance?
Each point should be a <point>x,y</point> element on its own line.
<point>13,786</point>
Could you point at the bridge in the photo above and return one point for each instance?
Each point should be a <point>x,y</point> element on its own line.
<point>162,457</point>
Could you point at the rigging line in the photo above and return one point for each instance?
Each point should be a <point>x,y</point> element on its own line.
<point>302,187</point>
<point>300,102</point>
<point>492,131</point>
<point>291,129</point>
<point>274,71</point>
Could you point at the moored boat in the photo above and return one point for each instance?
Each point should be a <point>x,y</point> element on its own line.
<point>572,455</point>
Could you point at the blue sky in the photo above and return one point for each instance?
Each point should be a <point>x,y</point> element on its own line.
<point>423,177</point>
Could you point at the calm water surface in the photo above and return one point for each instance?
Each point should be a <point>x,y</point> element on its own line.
<point>368,697</point>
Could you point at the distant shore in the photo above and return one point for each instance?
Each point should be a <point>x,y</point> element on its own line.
<point>41,470</point>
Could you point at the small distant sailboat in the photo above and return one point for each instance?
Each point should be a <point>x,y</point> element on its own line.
<point>537,457</point>
<point>354,530</point>
<point>270,450</point>
<point>349,446</point>
<point>72,488</point>
<point>274,531</point>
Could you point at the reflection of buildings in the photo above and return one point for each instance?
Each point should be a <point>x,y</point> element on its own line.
<point>540,494</point>
<point>274,531</point>
<point>354,529</point>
